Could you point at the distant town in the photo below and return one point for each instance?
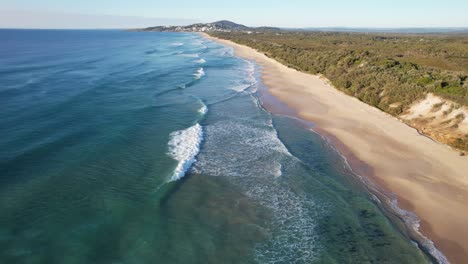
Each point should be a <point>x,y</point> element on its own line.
<point>219,26</point>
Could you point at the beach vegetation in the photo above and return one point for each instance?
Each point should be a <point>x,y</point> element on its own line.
<point>380,70</point>
<point>387,71</point>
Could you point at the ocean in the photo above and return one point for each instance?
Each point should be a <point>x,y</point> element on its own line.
<point>133,147</point>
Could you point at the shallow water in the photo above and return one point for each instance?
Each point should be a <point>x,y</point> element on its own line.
<point>125,147</point>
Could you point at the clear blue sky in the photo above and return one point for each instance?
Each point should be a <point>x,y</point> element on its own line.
<point>284,13</point>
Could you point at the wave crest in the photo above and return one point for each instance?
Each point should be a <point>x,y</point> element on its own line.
<point>184,146</point>
<point>200,73</point>
<point>203,109</point>
<point>200,61</point>
<point>176,44</point>
<point>187,55</point>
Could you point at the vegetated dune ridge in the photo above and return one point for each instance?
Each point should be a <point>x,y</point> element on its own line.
<point>427,178</point>
<point>388,71</point>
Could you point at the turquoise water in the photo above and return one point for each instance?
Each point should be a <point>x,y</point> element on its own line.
<point>126,147</point>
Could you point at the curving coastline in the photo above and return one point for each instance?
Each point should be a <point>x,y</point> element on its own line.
<point>426,177</point>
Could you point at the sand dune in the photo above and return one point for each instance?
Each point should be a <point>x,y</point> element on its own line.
<point>428,178</point>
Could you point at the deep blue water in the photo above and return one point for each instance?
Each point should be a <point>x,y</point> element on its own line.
<point>130,147</point>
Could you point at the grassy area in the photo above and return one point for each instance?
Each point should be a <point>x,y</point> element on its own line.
<point>387,71</point>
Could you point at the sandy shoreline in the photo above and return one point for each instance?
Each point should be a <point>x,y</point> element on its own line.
<point>428,178</point>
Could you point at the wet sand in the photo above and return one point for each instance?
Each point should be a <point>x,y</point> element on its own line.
<point>426,177</point>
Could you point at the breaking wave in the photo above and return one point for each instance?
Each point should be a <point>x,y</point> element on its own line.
<point>176,44</point>
<point>194,55</point>
<point>200,61</point>
<point>200,73</point>
<point>184,146</point>
<point>203,109</point>
<point>240,88</point>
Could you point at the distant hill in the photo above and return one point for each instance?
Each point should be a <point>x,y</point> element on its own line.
<point>229,26</point>
<point>219,26</point>
<point>225,24</point>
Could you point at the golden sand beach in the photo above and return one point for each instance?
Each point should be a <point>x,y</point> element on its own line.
<point>427,178</point>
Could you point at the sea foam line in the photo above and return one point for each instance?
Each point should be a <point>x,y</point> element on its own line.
<point>249,81</point>
<point>184,146</point>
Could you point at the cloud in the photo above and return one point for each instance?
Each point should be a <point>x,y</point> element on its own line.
<point>55,20</point>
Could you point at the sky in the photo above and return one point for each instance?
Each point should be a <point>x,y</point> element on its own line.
<point>281,13</point>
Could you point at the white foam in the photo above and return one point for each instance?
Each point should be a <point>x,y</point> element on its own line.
<point>240,88</point>
<point>249,81</point>
<point>184,146</point>
<point>200,61</point>
<point>195,55</point>
<point>277,171</point>
<point>250,70</point>
<point>410,219</point>
<point>203,109</point>
<point>177,44</point>
<point>200,73</point>
<point>262,144</point>
<point>295,215</point>
<point>251,155</point>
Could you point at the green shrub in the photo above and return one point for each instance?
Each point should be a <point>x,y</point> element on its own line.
<point>401,66</point>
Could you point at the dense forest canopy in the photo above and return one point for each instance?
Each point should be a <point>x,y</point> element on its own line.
<point>388,71</point>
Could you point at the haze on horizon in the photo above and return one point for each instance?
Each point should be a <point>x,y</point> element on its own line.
<point>292,14</point>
